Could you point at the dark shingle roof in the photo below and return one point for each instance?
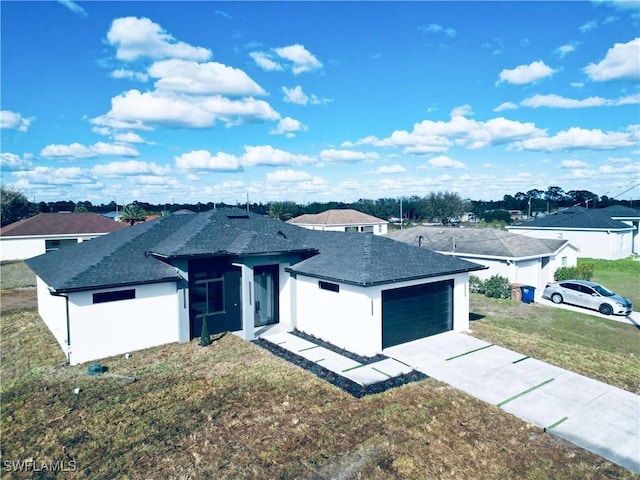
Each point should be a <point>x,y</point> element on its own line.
<point>61,224</point>
<point>142,253</point>
<point>620,211</point>
<point>575,218</point>
<point>488,242</point>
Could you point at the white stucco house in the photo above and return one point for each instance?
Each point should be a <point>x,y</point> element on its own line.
<point>157,282</point>
<point>47,232</point>
<point>342,220</point>
<point>521,259</point>
<point>607,233</point>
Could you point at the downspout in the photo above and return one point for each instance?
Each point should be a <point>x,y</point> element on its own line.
<point>66,298</point>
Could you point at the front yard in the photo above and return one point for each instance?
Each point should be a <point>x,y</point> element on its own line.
<point>233,410</point>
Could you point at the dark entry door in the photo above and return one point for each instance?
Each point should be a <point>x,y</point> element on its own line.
<point>265,280</point>
<point>214,295</point>
<point>415,312</point>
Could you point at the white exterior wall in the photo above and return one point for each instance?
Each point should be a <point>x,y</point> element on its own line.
<point>113,328</point>
<point>53,311</point>
<point>20,248</point>
<point>378,229</point>
<point>592,244</point>
<point>352,318</point>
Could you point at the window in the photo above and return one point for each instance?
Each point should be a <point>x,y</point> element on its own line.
<point>564,261</point>
<point>367,229</point>
<point>351,229</point>
<point>207,295</point>
<point>332,287</point>
<point>114,296</point>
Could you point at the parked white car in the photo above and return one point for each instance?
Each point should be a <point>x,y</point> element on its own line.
<point>589,295</point>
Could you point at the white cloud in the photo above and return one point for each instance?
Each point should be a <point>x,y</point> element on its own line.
<point>71,176</point>
<point>74,7</point>
<point>445,162</point>
<point>573,164</point>
<point>524,74</point>
<point>203,160</point>
<point>11,161</point>
<point>436,28</point>
<point>333,155</point>
<point>288,126</point>
<point>565,49</point>
<point>506,106</point>
<point>265,62</point>
<point>295,95</point>
<point>154,181</point>
<point>134,109</point>
<point>588,26</point>
<point>78,150</point>
<point>389,169</point>
<point>131,167</point>
<point>267,155</point>
<point>14,121</point>
<point>288,176</point>
<point>622,61</point>
<point>203,78</point>
<point>300,57</point>
<point>136,38</point>
<point>579,138</point>
<point>461,111</point>
<point>129,74</point>
<point>437,137</point>
<point>556,101</point>
<point>128,137</point>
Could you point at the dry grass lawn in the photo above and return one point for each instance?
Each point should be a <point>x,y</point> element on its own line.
<point>233,410</point>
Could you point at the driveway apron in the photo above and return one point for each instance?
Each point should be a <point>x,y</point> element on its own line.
<point>598,417</point>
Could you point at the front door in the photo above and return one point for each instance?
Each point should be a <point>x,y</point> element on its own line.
<point>214,295</point>
<point>265,280</point>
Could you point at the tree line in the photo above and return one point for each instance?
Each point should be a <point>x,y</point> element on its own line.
<point>443,207</point>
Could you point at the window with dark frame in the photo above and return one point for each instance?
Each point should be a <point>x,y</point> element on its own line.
<point>332,287</point>
<point>114,296</point>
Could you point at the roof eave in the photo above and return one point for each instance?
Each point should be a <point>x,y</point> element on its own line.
<point>53,290</point>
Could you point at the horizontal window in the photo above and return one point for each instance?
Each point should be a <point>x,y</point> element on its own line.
<point>114,296</point>
<point>332,287</point>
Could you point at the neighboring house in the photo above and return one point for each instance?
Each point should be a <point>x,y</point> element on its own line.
<point>521,259</point>
<point>342,220</point>
<point>47,232</point>
<point>608,233</point>
<point>156,282</point>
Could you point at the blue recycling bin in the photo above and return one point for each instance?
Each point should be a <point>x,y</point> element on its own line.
<point>528,293</point>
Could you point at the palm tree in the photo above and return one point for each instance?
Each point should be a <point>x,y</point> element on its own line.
<point>132,213</point>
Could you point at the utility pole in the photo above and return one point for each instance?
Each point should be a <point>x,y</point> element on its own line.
<point>401,218</point>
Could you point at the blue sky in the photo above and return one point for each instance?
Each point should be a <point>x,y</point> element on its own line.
<point>313,101</point>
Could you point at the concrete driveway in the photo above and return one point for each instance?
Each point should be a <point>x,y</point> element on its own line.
<point>591,414</point>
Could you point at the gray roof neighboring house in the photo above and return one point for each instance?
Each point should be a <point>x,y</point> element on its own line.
<point>66,223</point>
<point>577,218</point>
<point>480,242</point>
<point>345,216</point>
<point>143,253</point>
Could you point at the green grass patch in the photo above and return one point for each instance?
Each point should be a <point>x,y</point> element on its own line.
<point>16,274</point>
<point>620,276</point>
<point>600,348</point>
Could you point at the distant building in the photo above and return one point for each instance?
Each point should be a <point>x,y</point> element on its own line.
<point>342,220</point>
<point>608,233</point>
<point>47,232</point>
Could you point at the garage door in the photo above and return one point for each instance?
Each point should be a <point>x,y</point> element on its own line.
<point>415,312</point>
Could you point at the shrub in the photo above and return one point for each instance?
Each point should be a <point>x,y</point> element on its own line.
<point>497,287</point>
<point>205,338</point>
<point>584,271</point>
<point>476,285</point>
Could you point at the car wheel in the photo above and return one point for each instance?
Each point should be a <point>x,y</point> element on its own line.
<point>605,309</point>
<point>556,298</point>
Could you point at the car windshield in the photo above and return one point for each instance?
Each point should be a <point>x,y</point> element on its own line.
<point>603,291</point>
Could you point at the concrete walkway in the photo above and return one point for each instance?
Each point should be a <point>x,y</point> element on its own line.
<point>589,413</point>
<point>362,374</point>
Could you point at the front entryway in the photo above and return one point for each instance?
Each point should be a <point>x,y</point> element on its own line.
<point>265,280</point>
<point>214,295</point>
